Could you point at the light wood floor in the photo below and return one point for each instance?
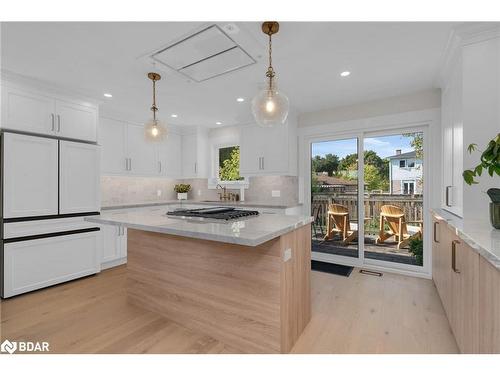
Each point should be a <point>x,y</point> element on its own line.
<point>359,314</point>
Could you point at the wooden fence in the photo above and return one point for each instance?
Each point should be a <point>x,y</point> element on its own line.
<point>412,205</point>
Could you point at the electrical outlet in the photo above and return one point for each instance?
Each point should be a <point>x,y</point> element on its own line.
<point>276,193</point>
<point>158,193</point>
<point>287,255</point>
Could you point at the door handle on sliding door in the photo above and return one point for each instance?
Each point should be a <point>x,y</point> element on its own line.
<point>448,195</point>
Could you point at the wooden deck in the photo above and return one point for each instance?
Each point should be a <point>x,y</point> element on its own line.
<point>386,252</point>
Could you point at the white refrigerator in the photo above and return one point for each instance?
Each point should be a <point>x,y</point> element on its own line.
<point>48,187</point>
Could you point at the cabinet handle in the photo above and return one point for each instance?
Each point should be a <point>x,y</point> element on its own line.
<point>53,120</point>
<point>263,166</point>
<point>130,164</point>
<point>260,163</point>
<point>159,166</point>
<point>454,256</point>
<point>435,230</point>
<point>448,195</point>
<point>195,167</point>
<point>58,123</point>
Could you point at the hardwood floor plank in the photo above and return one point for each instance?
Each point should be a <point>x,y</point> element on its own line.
<point>356,314</point>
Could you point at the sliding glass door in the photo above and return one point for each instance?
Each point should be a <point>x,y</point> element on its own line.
<point>367,199</point>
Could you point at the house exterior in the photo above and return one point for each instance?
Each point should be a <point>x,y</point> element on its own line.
<point>405,173</point>
<point>336,184</point>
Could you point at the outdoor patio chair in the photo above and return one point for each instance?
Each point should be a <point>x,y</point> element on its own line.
<point>395,218</point>
<point>338,222</point>
<point>316,224</point>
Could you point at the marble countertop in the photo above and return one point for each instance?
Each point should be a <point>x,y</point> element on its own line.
<point>251,231</point>
<point>204,203</point>
<point>480,236</point>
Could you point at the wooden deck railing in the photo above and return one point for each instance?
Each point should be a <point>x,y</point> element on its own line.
<point>412,205</point>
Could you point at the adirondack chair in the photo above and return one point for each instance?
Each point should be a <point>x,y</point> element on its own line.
<point>395,218</point>
<point>338,222</point>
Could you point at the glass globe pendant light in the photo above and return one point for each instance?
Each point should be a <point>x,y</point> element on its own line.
<point>270,106</point>
<point>154,129</point>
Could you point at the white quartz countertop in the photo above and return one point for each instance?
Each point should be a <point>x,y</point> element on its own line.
<point>480,236</point>
<point>202,203</point>
<point>251,231</point>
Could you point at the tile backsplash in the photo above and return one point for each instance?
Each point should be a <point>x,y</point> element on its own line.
<point>117,190</point>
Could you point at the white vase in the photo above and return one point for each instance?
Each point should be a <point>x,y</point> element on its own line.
<point>182,196</point>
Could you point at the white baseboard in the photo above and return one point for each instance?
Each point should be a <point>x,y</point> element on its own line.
<point>113,263</point>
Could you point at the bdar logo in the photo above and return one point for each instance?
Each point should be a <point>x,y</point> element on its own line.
<point>8,347</point>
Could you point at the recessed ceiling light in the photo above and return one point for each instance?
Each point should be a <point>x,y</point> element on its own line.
<point>240,99</point>
<point>173,115</point>
<point>345,74</point>
<point>218,123</point>
<point>108,95</point>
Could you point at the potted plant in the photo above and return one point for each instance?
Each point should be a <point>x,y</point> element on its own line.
<point>490,162</point>
<point>182,191</point>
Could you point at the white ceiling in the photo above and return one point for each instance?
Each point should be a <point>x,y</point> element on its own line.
<point>386,59</point>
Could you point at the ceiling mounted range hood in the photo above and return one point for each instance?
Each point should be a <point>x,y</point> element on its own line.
<point>205,54</point>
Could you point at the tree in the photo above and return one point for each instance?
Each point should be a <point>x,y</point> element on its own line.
<point>230,168</point>
<point>373,179</point>
<point>348,161</point>
<point>417,142</point>
<point>329,163</point>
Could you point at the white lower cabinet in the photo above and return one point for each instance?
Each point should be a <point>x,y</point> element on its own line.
<point>114,246</point>
<point>38,263</point>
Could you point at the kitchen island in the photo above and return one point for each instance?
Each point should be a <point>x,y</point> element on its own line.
<point>244,282</point>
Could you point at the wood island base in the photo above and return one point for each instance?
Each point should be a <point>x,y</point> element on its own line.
<point>256,299</point>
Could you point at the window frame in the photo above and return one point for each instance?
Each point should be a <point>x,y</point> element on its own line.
<point>215,180</point>
<point>402,160</point>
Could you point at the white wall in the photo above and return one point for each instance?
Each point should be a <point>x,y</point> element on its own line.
<point>481,111</point>
<point>399,104</point>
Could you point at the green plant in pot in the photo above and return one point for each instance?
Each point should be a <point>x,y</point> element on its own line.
<point>417,249</point>
<point>490,163</point>
<point>182,190</point>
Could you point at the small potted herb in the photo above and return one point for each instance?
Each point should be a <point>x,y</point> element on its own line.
<point>490,162</point>
<point>182,191</point>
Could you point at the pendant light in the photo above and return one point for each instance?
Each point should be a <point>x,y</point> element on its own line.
<point>270,106</point>
<point>155,130</point>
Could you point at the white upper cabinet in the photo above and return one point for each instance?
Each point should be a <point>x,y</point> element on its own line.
<point>169,156</point>
<point>268,151</point>
<point>76,121</point>
<point>28,112</point>
<point>30,169</point>
<point>142,155</point>
<point>452,133</point>
<point>113,141</point>
<point>125,151</point>
<point>37,112</point>
<point>79,181</point>
<point>195,154</point>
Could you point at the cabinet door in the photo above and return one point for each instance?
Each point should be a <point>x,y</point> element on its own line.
<point>441,272</point>
<point>251,150</point>
<point>447,151</point>
<point>30,176</point>
<point>465,297</point>
<point>189,155</point>
<point>275,149</point>
<point>489,307</point>
<point>113,141</point>
<point>79,181</point>
<point>170,156</point>
<point>111,236</point>
<point>76,121</point>
<point>27,111</point>
<point>35,264</point>
<point>143,156</point>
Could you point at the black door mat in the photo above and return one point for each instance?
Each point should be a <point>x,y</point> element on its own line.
<point>336,269</point>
